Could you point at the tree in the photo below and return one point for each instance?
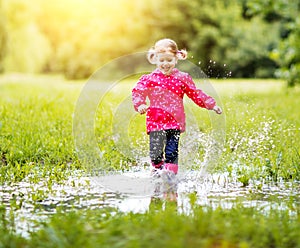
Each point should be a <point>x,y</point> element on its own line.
<point>3,36</point>
<point>219,38</point>
<point>26,48</point>
<point>245,47</point>
<point>287,53</point>
<point>85,35</point>
<point>76,37</point>
<point>226,41</point>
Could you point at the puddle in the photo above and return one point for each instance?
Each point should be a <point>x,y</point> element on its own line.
<point>31,203</point>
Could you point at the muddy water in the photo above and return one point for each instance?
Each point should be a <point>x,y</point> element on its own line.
<point>30,203</point>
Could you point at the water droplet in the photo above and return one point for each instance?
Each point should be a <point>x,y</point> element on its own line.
<point>199,62</point>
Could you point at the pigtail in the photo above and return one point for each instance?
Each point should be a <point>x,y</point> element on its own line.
<point>151,56</point>
<point>181,54</point>
<point>165,46</point>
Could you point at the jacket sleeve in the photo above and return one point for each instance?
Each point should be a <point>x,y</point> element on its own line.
<point>139,92</point>
<point>198,96</point>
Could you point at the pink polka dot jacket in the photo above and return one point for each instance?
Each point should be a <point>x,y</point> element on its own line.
<point>165,93</point>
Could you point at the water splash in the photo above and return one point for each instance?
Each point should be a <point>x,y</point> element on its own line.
<point>217,70</point>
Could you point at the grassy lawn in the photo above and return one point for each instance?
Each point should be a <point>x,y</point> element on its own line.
<point>262,143</point>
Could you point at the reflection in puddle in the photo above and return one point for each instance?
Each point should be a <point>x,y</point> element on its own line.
<point>31,203</point>
<point>219,191</point>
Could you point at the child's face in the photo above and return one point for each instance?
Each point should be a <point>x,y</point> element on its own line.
<point>165,62</point>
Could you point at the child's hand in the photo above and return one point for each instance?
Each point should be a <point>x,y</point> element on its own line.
<point>142,109</point>
<point>217,109</point>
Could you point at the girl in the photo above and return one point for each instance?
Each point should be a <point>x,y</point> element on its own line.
<point>165,88</point>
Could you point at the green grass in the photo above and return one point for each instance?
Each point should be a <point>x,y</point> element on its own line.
<point>262,143</point>
<point>36,126</point>
<point>262,127</point>
<point>203,227</point>
<point>263,131</point>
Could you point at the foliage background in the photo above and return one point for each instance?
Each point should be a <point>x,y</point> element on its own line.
<point>238,38</point>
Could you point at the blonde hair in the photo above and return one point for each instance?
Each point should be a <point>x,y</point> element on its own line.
<point>166,46</point>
